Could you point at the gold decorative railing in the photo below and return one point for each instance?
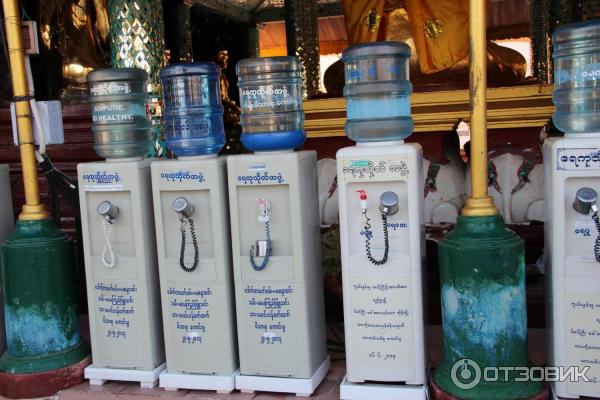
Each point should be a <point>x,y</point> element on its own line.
<point>507,107</point>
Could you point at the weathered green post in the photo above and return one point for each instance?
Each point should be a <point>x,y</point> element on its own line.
<point>482,273</point>
<point>42,328</point>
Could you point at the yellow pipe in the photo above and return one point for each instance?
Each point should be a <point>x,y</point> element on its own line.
<point>480,203</point>
<point>32,209</point>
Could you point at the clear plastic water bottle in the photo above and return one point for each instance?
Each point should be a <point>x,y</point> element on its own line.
<point>377,91</point>
<point>271,103</point>
<point>119,119</point>
<point>193,110</point>
<point>577,77</point>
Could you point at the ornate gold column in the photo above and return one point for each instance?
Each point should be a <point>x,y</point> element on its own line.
<point>480,203</point>
<point>32,209</point>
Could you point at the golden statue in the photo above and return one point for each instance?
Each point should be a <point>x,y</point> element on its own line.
<point>436,31</point>
<point>79,31</point>
<point>231,111</point>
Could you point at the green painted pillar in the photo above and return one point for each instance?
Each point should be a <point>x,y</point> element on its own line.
<point>40,306</point>
<point>484,315</point>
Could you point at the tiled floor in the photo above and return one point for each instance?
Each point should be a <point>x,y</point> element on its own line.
<point>328,390</point>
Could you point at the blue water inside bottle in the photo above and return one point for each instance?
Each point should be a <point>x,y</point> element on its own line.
<point>193,111</point>
<point>377,92</point>
<point>577,77</point>
<point>376,107</point>
<point>271,103</point>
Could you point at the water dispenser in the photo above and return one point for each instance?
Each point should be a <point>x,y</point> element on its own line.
<point>121,272</point>
<point>380,183</point>
<point>192,232</point>
<point>118,235</point>
<point>572,224</point>
<point>274,212</point>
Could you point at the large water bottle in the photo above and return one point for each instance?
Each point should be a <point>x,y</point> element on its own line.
<point>119,119</point>
<point>271,103</point>
<point>193,110</point>
<point>577,77</point>
<point>377,91</point>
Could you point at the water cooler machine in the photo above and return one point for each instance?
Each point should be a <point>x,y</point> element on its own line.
<point>275,236</point>
<point>118,234</point>
<point>572,184</point>
<point>380,186</point>
<point>192,232</point>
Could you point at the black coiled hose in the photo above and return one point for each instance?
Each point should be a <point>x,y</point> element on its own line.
<point>597,243</point>
<point>385,239</point>
<point>195,244</point>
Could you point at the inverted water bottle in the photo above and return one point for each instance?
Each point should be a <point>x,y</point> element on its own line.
<point>377,91</point>
<point>577,77</point>
<point>271,103</point>
<point>193,110</point>
<point>119,120</point>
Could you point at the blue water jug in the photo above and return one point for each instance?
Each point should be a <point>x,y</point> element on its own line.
<point>271,103</point>
<point>193,111</point>
<point>119,120</point>
<point>577,77</point>
<point>377,91</point>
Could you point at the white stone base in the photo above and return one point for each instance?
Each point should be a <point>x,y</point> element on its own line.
<point>147,379</point>
<point>381,391</point>
<point>301,387</point>
<point>219,383</point>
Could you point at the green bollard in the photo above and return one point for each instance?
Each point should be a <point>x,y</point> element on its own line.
<point>42,326</point>
<point>484,315</point>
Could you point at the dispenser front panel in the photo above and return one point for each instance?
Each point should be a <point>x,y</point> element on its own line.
<point>582,287</point>
<point>380,230</point>
<point>203,230</point>
<point>278,276</point>
<point>121,236</point>
<point>572,179</point>
<point>281,262</point>
<point>120,259</point>
<point>197,292</point>
<point>119,326</point>
<point>396,224</point>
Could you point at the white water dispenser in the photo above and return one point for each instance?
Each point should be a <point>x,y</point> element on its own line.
<point>573,262</point>
<point>121,272</point>
<point>275,235</point>
<point>380,183</point>
<point>119,244</point>
<point>277,272</point>
<point>194,253</point>
<point>192,232</point>
<point>572,224</point>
